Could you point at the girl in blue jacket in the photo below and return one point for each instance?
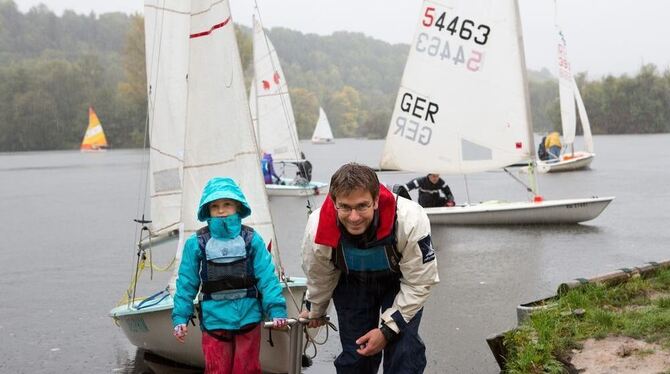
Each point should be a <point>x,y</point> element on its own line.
<point>230,266</point>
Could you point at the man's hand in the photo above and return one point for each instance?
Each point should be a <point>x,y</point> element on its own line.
<point>450,203</point>
<point>314,321</point>
<point>180,332</point>
<point>371,343</point>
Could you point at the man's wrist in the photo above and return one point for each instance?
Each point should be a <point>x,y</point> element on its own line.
<point>388,333</point>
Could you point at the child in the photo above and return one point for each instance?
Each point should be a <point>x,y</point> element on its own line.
<point>229,264</point>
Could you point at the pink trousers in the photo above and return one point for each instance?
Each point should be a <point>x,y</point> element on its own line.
<point>232,354</point>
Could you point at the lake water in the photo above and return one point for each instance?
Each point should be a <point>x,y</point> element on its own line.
<point>68,250</point>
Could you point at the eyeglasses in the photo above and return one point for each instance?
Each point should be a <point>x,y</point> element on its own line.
<point>360,208</point>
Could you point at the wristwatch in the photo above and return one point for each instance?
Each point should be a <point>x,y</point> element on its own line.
<point>388,333</point>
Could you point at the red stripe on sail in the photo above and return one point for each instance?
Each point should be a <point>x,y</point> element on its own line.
<point>205,33</point>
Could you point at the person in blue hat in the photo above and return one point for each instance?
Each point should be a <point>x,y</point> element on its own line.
<point>231,267</point>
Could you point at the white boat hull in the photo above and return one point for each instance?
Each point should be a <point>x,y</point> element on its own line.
<point>323,141</point>
<point>311,189</point>
<point>567,211</point>
<point>580,160</point>
<point>150,328</point>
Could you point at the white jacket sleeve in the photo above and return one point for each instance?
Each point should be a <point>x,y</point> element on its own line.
<point>322,275</point>
<point>417,265</point>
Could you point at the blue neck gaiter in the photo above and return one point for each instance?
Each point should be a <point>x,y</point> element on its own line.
<point>225,227</point>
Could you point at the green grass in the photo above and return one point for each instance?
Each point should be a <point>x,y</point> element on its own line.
<point>629,309</point>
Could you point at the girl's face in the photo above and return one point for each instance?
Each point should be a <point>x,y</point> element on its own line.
<point>223,207</point>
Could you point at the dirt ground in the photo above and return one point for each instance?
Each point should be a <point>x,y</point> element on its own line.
<point>621,355</point>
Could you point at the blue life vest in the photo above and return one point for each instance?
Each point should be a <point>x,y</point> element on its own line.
<point>380,257</point>
<point>230,276</point>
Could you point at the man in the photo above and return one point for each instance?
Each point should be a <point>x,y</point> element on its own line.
<point>304,174</point>
<point>553,146</point>
<point>370,252</point>
<point>430,187</point>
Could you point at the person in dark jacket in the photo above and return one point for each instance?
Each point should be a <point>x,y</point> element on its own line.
<point>304,174</point>
<point>430,187</point>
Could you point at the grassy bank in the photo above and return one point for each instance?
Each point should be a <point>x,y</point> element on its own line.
<point>638,308</point>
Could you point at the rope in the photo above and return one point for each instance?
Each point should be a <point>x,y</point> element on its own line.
<point>142,256</point>
<point>152,297</point>
<point>518,180</point>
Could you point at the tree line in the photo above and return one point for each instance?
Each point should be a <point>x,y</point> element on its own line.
<point>52,68</point>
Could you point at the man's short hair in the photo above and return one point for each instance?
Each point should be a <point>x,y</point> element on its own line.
<point>352,176</point>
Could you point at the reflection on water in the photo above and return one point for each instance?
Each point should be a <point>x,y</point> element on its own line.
<point>146,362</point>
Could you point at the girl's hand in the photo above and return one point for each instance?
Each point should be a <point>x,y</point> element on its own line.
<point>279,323</point>
<point>180,332</point>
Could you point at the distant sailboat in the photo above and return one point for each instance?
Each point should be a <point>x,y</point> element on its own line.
<point>94,138</point>
<point>322,132</point>
<point>569,94</point>
<point>272,116</point>
<point>463,107</point>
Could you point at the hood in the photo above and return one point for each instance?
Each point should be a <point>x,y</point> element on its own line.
<point>221,188</point>
<point>327,233</point>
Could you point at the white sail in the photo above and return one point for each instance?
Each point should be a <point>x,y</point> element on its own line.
<point>166,28</point>
<point>566,89</point>
<point>584,118</point>
<point>277,132</point>
<point>322,131</point>
<point>462,106</point>
<point>219,136</point>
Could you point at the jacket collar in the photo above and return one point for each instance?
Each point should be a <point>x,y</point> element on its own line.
<point>328,232</point>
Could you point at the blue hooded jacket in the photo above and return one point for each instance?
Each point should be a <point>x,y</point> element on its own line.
<point>227,314</point>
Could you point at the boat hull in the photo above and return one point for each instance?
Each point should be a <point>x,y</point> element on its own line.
<point>322,141</point>
<point>150,328</point>
<point>313,188</point>
<point>580,160</point>
<point>567,211</point>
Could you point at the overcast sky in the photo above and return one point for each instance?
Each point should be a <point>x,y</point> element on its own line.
<point>603,36</point>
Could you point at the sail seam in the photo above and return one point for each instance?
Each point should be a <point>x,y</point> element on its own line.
<point>167,9</point>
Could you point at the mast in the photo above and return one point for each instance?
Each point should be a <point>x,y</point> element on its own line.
<point>529,119</point>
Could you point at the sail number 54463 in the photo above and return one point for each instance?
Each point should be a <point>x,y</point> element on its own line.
<point>466,29</point>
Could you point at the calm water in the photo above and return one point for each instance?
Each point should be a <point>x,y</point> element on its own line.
<point>68,250</point>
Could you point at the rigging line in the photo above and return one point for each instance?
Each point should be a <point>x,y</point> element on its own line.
<point>284,99</point>
<point>141,196</point>
<point>142,185</point>
<point>529,189</point>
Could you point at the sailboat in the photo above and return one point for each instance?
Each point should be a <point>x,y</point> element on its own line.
<point>463,107</point>
<point>322,132</point>
<point>275,126</point>
<point>568,95</point>
<point>94,138</point>
<point>200,127</point>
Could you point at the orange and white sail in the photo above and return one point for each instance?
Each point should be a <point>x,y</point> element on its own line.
<point>94,139</point>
